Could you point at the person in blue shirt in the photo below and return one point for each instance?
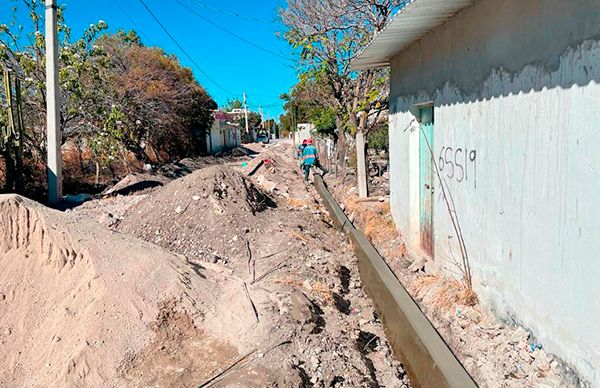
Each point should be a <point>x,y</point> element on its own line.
<point>310,159</point>
<point>300,148</point>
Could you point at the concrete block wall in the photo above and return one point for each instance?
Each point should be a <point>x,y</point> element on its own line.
<point>515,86</point>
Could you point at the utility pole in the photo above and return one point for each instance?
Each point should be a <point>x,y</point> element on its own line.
<point>54,137</point>
<point>246,114</point>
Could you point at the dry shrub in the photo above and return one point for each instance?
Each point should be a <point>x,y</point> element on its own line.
<point>376,219</point>
<point>444,294</point>
<point>421,284</point>
<point>288,281</point>
<point>2,173</point>
<point>468,297</point>
<point>297,203</point>
<point>324,292</point>
<point>72,164</point>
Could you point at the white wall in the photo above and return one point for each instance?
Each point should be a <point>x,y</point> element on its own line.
<point>518,83</point>
<point>304,131</point>
<point>223,136</point>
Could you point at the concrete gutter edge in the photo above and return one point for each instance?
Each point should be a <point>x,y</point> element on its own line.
<point>428,360</point>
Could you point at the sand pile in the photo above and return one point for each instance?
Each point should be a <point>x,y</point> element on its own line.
<point>77,301</point>
<point>204,215</point>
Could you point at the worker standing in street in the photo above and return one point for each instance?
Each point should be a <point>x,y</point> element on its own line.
<point>300,148</point>
<point>310,159</point>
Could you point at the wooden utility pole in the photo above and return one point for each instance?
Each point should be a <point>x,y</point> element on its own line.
<point>54,136</point>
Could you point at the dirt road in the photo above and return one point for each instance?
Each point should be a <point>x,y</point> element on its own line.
<point>242,281</point>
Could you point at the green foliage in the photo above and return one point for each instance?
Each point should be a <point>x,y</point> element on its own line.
<point>379,138</point>
<point>233,104</point>
<point>324,120</point>
<point>106,144</point>
<point>254,120</point>
<point>117,96</point>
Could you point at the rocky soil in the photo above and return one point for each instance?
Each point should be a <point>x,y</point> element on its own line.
<point>230,275</point>
<point>496,353</point>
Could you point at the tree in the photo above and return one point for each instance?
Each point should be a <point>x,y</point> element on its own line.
<point>233,104</point>
<point>118,96</point>
<point>163,104</point>
<point>329,34</point>
<point>254,120</point>
<point>324,120</point>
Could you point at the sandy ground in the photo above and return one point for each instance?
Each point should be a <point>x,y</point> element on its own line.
<point>231,275</point>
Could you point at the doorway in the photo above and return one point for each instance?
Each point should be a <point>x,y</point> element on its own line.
<point>426,179</point>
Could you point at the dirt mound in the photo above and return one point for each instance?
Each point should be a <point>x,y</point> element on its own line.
<point>200,214</point>
<point>135,183</point>
<point>77,301</point>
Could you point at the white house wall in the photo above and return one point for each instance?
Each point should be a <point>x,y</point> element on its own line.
<point>516,95</point>
<point>223,136</point>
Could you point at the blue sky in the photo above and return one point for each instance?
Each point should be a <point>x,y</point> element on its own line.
<point>234,64</point>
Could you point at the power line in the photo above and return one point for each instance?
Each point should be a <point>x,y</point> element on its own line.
<point>232,33</point>
<point>231,13</point>
<point>131,19</point>
<point>184,51</point>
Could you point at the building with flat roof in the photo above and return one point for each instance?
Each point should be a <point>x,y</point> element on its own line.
<point>495,110</point>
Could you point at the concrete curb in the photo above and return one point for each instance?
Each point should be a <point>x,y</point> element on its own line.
<point>427,359</point>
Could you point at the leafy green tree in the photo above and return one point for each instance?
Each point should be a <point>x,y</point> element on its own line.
<point>233,104</point>
<point>324,119</point>
<point>329,34</point>
<point>117,96</point>
<point>379,139</point>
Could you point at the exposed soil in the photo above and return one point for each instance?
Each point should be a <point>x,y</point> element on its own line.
<point>496,354</point>
<point>242,282</point>
<point>77,299</point>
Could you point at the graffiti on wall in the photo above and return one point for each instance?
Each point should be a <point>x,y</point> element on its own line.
<point>458,164</point>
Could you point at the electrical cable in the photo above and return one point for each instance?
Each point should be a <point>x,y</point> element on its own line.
<point>131,20</point>
<point>232,33</point>
<point>184,51</point>
<point>231,13</point>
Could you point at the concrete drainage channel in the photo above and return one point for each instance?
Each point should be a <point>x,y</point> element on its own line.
<point>427,359</point>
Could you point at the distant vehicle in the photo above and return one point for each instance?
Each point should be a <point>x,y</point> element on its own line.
<point>262,138</point>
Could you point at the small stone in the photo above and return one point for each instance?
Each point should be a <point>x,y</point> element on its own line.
<point>541,361</point>
<point>527,369</point>
<point>518,335</point>
<point>314,361</point>
<point>525,355</point>
<point>470,364</point>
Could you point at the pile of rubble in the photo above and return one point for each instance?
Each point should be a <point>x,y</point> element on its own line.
<point>298,273</point>
<point>204,215</point>
<point>262,289</point>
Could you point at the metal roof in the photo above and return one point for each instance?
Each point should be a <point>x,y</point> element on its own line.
<point>409,24</point>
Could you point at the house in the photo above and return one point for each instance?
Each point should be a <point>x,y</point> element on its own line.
<point>502,98</point>
<point>303,131</point>
<point>224,133</point>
